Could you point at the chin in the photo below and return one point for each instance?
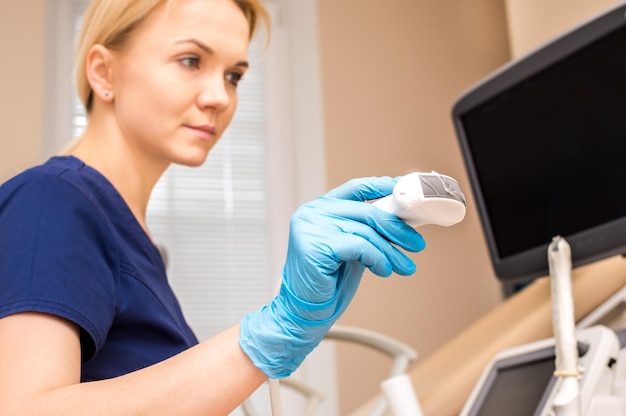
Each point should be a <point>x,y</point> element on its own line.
<point>189,154</point>
<point>191,162</point>
<point>191,159</point>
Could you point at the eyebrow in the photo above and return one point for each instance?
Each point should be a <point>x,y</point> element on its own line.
<point>206,48</point>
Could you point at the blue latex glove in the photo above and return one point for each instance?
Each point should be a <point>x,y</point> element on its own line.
<point>331,242</point>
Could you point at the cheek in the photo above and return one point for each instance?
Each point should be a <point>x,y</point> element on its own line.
<point>143,88</point>
<point>144,103</point>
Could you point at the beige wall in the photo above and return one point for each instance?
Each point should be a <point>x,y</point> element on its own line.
<point>533,22</point>
<point>21,83</point>
<point>391,72</point>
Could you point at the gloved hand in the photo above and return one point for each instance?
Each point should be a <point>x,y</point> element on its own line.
<point>331,242</point>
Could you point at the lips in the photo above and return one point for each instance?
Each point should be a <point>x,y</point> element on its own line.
<point>204,131</point>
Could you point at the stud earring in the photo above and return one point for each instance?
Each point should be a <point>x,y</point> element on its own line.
<point>107,94</point>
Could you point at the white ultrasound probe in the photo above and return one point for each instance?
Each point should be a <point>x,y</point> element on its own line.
<point>418,199</point>
<point>425,198</point>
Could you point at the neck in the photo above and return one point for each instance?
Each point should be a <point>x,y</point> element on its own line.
<point>131,172</point>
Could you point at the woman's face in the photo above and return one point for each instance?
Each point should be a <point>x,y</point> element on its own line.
<point>175,82</point>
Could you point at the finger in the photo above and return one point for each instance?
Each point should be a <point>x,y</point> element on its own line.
<point>360,250</point>
<point>364,189</point>
<point>381,258</point>
<point>385,224</point>
<point>400,263</point>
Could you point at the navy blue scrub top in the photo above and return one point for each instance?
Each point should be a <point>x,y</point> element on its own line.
<point>71,247</point>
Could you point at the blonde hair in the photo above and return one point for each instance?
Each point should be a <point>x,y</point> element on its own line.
<point>110,22</point>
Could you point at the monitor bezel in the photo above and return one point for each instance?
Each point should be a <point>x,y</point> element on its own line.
<point>596,243</point>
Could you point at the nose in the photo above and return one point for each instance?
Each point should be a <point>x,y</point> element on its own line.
<point>214,94</point>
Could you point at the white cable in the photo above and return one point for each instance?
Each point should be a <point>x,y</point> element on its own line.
<point>567,400</point>
<point>274,383</point>
<point>277,409</point>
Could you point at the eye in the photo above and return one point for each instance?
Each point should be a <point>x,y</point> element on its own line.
<point>234,78</point>
<point>190,61</point>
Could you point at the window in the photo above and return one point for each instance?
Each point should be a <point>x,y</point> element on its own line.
<point>224,225</point>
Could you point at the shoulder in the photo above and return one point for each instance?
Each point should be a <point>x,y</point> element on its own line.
<point>58,176</point>
<point>57,201</point>
<point>63,187</point>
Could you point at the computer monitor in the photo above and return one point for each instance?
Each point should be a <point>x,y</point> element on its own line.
<point>544,144</point>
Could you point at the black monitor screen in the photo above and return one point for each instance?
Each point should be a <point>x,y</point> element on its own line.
<point>544,140</point>
<point>516,390</point>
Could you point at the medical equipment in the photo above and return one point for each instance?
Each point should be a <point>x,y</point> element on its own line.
<point>425,198</point>
<point>519,381</point>
<point>576,373</point>
<point>567,399</point>
<point>543,143</point>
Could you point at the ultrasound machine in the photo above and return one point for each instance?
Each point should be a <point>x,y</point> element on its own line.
<point>544,144</point>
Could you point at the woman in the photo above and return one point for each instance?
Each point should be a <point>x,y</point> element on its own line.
<point>88,322</point>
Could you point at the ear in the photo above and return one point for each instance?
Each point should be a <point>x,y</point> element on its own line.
<point>99,71</point>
